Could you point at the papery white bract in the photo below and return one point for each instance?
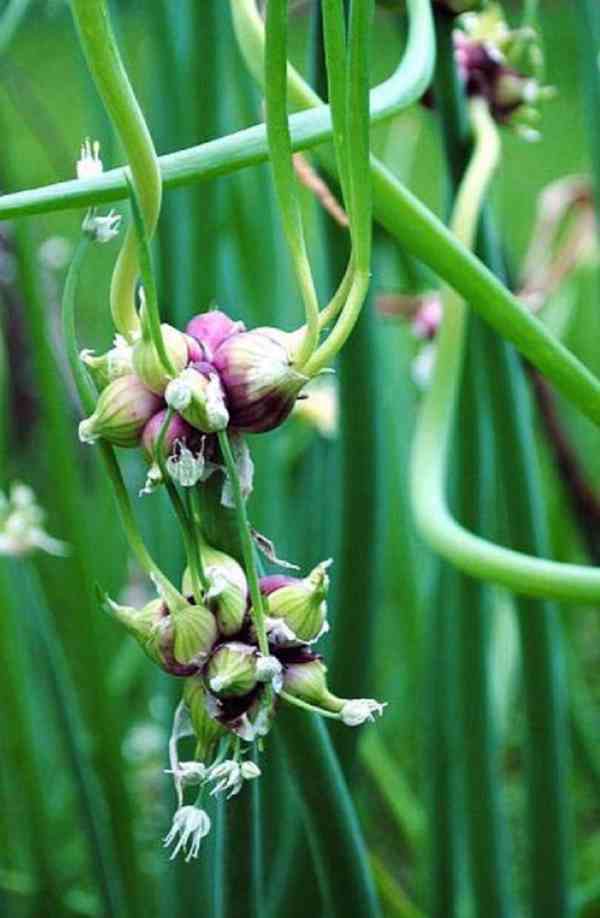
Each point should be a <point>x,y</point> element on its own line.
<point>190,826</point>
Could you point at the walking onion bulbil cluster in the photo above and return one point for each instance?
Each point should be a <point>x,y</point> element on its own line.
<point>186,399</point>
<point>240,643</point>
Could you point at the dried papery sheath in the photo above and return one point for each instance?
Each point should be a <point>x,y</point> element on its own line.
<point>207,730</point>
<point>148,365</point>
<point>308,682</point>
<point>245,471</point>
<point>227,596</point>
<point>231,670</point>
<point>198,396</point>
<point>211,328</point>
<point>300,603</point>
<point>259,379</point>
<point>122,411</point>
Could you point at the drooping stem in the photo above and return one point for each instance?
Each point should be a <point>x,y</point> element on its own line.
<point>103,58</point>
<point>258,612</point>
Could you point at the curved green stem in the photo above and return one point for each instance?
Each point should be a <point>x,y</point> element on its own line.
<point>305,706</point>
<point>248,147</point>
<point>258,611</point>
<point>405,218</point>
<point>280,149</point>
<point>103,58</point>
<point>87,395</point>
<point>517,571</point>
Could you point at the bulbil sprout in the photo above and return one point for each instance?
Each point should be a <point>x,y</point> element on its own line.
<point>122,411</point>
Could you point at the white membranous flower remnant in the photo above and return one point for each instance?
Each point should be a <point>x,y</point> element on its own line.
<point>190,825</point>
<point>99,228</point>
<point>89,164</point>
<point>22,525</point>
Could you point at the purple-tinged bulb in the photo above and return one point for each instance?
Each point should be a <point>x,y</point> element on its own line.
<point>211,329</point>
<point>259,379</point>
<point>178,430</point>
<point>122,411</point>
<point>196,351</point>
<point>274,582</point>
<point>148,365</point>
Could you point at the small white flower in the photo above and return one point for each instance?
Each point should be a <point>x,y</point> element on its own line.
<point>89,164</point>
<point>230,776</point>
<point>21,525</point>
<point>250,771</point>
<point>191,824</point>
<point>178,394</point>
<point>102,229</point>
<point>269,669</point>
<point>227,777</point>
<point>188,774</point>
<point>358,710</point>
<point>186,468</point>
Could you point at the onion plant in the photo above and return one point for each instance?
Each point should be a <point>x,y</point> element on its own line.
<point>247,482</point>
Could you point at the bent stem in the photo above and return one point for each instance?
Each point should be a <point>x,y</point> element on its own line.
<point>103,58</point>
<point>485,560</point>
<point>258,611</point>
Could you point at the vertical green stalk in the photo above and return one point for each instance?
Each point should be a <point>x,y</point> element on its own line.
<point>280,148</point>
<point>103,58</point>
<point>440,715</point>
<point>542,665</point>
<point>329,815</point>
<point>486,832</point>
<point>479,755</point>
